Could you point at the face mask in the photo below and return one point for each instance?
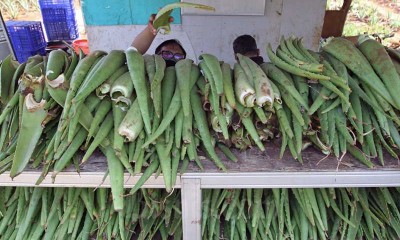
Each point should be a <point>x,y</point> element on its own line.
<point>259,60</point>
<point>170,63</point>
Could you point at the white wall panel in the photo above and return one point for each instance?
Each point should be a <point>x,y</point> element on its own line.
<point>215,34</point>
<point>227,7</point>
<point>303,18</point>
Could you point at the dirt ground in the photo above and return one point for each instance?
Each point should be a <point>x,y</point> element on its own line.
<point>384,8</point>
<point>387,5</point>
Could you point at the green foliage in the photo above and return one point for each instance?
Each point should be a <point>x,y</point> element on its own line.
<point>365,17</point>
<point>394,21</point>
<point>34,4</point>
<point>14,7</point>
<point>334,4</point>
<point>11,7</point>
<point>362,10</point>
<point>25,4</point>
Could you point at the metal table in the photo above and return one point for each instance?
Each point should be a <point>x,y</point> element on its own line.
<point>255,169</point>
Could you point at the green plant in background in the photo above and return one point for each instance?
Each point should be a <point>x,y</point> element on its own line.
<point>364,17</point>
<point>25,4</point>
<point>362,11</point>
<point>11,7</point>
<point>34,4</point>
<point>374,18</point>
<point>394,21</point>
<point>353,29</point>
<point>334,4</point>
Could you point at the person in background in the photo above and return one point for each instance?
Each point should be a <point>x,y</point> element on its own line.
<point>247,46</point>
<point>171,50</point>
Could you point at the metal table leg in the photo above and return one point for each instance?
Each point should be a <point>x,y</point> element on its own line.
<point>191,209</point>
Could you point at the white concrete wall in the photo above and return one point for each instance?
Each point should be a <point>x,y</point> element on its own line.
<point>215,34</point>
<point>303,18</point>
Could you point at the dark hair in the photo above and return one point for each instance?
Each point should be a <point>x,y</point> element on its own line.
<point>167,42</point>
<point>244,44</point>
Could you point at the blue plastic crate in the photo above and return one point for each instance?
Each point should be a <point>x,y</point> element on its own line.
<point>59,19</point>
<point>56,3</point>
<point>59,24</point>
<point>26,35</point>
<point>22,55</point>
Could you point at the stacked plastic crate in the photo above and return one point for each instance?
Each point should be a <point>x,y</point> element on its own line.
<point>27,38</point>
<point>59,19</point>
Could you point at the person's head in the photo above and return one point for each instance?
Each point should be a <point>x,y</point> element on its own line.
<point>172,51</point>
<point>245,45</point>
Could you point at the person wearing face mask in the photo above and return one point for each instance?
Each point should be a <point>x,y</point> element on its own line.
<point>247,46</point>
<point>171,50</point>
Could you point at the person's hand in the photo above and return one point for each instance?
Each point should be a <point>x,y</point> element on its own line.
<point>150,24</point>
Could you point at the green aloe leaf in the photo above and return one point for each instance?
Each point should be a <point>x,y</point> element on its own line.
<point>161,20</point>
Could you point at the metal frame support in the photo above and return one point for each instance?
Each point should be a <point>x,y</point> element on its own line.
<point>5,32</point>
<point>191,208</point>
<point>310,179</point>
